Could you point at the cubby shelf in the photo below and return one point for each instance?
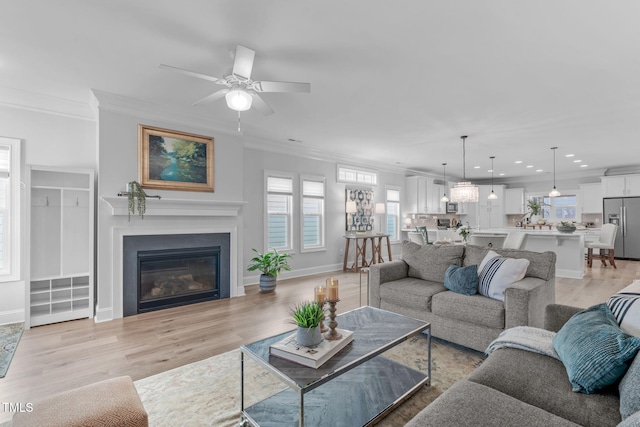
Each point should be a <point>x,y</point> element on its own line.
<point>61,244</point>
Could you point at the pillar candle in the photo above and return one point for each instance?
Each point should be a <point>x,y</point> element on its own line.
<point>332,289</point>
<point>320,293</point>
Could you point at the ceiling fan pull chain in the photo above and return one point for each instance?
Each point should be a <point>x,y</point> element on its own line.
<point>239,122</point>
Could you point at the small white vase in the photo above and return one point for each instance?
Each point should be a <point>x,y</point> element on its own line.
<point>308,337</point>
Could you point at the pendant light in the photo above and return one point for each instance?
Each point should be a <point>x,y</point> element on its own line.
<point>554,192</point>
<point>492,196</point>
<point>444,199</point>
<point>464,191</point>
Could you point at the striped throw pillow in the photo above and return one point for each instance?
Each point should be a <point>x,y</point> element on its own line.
<point>498,273</point>
<point>625,306</point>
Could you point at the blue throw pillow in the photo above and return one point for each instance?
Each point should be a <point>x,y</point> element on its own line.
<point>593,349</point>
<point>463,280</point>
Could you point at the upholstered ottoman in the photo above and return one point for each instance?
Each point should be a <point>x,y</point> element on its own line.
<point>114,402</point>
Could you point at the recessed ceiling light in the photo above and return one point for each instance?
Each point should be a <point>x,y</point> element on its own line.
<point>529,166</point>
<point>583,166</point>
<point>538,170</point>
<point>476,167</point>
<point>490,170</point>
<point>577,161</point>
<point>518,162</point>
<point>501,174</point>
<point>569,155</point>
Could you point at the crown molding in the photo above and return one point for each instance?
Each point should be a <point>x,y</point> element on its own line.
<point>24,100</point>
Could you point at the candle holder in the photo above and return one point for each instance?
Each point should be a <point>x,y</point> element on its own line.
<point>323,327</point>
<point>333,335</point>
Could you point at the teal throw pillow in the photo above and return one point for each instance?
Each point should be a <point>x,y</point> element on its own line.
<point>463,280</point>
<point>593,349</point>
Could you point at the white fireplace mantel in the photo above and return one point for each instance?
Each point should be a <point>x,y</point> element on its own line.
<point>176,207</point>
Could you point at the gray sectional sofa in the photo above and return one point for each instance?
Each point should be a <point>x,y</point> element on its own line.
<point>515,387</point>
<point>414,286</point>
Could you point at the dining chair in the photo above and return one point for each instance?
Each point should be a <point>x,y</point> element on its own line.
<point>605,244</point>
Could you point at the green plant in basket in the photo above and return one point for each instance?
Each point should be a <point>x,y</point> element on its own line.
<point>307,314</point>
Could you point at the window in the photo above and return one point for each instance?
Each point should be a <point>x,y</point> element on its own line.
<point>393,213</point>
<point>359,176</point>
<point>279,212</point>
<point>561,208</point>
<point>312,221</point>
<point>9,209</point>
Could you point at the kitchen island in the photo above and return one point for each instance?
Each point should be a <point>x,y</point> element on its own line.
<point>569,247</point>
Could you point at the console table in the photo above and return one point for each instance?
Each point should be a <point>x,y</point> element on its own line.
<point>361,260</point>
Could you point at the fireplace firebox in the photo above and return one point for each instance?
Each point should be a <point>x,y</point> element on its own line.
<point>172,277</point>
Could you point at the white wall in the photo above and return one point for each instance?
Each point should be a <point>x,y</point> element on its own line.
<point>255,163</point>
<point>47,139</point>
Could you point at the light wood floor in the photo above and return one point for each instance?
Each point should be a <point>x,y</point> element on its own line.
<point>66,355</point>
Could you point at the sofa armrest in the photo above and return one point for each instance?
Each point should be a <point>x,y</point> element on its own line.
<point>382,273</point>
<point>556,315</point>
<point>525,302</point>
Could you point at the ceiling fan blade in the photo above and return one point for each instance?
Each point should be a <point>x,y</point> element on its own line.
<point>243,63</point>
<point>193,74</point>
<point>284,87</point>
<point>260,105</point>
<point>213,97</point>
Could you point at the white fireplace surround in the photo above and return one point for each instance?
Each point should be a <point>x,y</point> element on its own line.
<point>170,215</point>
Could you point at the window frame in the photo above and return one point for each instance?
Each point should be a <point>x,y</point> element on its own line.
<point>322,237</point>
<point>12,244</point>
<point>290,215</point>
<point>359,172</point>
<point>398,226</point>
<point>550,205</point>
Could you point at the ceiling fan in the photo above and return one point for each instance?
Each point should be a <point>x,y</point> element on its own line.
<point>241,93</point>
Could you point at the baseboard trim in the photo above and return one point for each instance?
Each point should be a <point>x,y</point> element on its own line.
<point>103,314</point>
<point>12,316</point>
<point>569,274</point>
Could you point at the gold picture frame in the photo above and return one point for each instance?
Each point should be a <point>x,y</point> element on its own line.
<point>172,160</point>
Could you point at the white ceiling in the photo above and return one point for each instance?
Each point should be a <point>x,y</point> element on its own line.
<point>391,82</point>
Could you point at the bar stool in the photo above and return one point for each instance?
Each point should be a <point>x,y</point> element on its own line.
<point>606,243</point>
<point>514,240</point>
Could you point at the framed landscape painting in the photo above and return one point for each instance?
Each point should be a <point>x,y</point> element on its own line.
<point>171,160</point>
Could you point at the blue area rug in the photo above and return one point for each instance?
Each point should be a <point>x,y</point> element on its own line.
<point>9,337</point>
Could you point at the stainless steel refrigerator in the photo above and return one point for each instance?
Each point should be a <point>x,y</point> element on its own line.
<point>625,211</point>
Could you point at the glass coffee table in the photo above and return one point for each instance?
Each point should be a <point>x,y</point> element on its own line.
<point>356,387</point>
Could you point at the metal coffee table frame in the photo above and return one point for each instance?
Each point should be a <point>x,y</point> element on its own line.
<point>331,393</point>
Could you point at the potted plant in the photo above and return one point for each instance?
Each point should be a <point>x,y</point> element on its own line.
<point>137,199</point>
<point>535,209</point>
<point>307,316</point>
<point>270,263</point>
<point>464,232</point>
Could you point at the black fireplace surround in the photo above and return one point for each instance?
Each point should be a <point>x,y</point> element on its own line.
<point>162,271</point>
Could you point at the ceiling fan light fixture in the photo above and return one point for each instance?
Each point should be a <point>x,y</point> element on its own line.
<point>238,99</point>
<point>464,191</point>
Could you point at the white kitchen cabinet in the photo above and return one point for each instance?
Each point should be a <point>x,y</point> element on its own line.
<point>591,198</point>
<point>60,236</point>
<point>423,196</point>
<point>514,201</point>
<point>434,194</point>
<point>621,186</point>
<point>491,212</point>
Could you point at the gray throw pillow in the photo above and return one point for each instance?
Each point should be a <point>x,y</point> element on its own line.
<point>629,389</point>
<point>430,261</point>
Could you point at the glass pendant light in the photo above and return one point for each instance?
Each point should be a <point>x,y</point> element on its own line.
<point>492,196</point>
<point>554,192</point>
<point>444,198</point>
<point>464,191</point>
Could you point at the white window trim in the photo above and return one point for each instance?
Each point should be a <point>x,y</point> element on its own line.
<point>398,233</point>
<point>357,169</point>
<point>14,208</point>
<point>323,223</point>
<point>276,174</point>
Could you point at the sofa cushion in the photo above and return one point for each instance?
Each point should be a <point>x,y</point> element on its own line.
<point>498,273</point>
<point>430,261</point>
<point>542,381</point>
<point>625,306</point>
<point>542,265</point>
<point>629,389</point>
<point>472,309</point>
<point>472,404</point>
<point>411,292</point>
<point>462,280</point>
<point>593,349</point>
